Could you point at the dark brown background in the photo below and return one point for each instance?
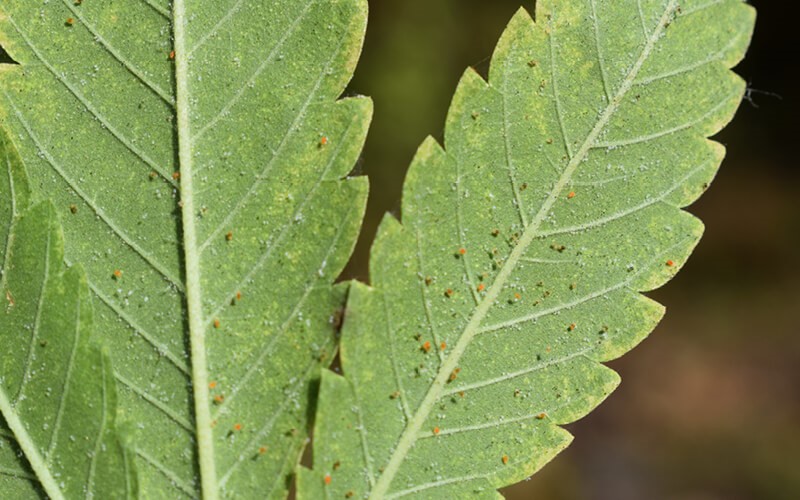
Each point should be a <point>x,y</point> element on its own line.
<point>709,407</point>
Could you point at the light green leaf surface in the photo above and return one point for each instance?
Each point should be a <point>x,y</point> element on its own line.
<point>58,398</point>
<point>524,245</point>
<point>212,288</point>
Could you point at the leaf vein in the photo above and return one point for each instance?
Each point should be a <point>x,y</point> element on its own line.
<point>272,245</point>
<point>132,69</point>
<point>127,240</point>
<point>89,107</point>
<point>266,428</point>
<point>161,348</point>
<point>166,472</point>
<point>261,178</point>
<point>152,400</point>
<point>19,474</point>
<point>424,292</point>
<point>157,8</point>
<point>625,213</point>
<point>99,440</point>
<point>512,175</point>
<point>600,60</point>
<point>65,388</point>
<point>240,92</point>
<point>672,130</point>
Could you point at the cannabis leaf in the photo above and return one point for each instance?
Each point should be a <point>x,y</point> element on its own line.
<point>58,398</point>
<point>524,246</point>
<point>197,155</point>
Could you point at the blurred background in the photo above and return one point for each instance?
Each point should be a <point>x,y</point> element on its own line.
<point>709,407</point>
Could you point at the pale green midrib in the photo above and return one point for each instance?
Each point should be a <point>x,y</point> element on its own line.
<point>29,449</point>
<point>205,437</point>
<point>409,436</point>
<point>14,214</point>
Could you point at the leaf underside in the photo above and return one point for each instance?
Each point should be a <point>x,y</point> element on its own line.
<point>58,398</point>
<point>135,118</point>
<point>524,246</point>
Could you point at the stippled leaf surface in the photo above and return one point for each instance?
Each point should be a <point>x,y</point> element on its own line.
<point>197,155</point>
<point>524,245</point>
<point>58,398</point>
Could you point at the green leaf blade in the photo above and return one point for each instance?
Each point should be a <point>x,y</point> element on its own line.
<point>212,174</point>
<point>525,245</point>
<point>58,396</point>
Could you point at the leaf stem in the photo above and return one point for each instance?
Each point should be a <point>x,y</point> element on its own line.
<point>29,449</point>
<point>194,302</point>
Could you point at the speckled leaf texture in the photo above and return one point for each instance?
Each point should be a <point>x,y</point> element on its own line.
<point>524,245</point>
<point>198,156</point>
<point>58,398</point>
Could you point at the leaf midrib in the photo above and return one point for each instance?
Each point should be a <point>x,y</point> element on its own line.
<point>409,436</point>
<point>194,302</point>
